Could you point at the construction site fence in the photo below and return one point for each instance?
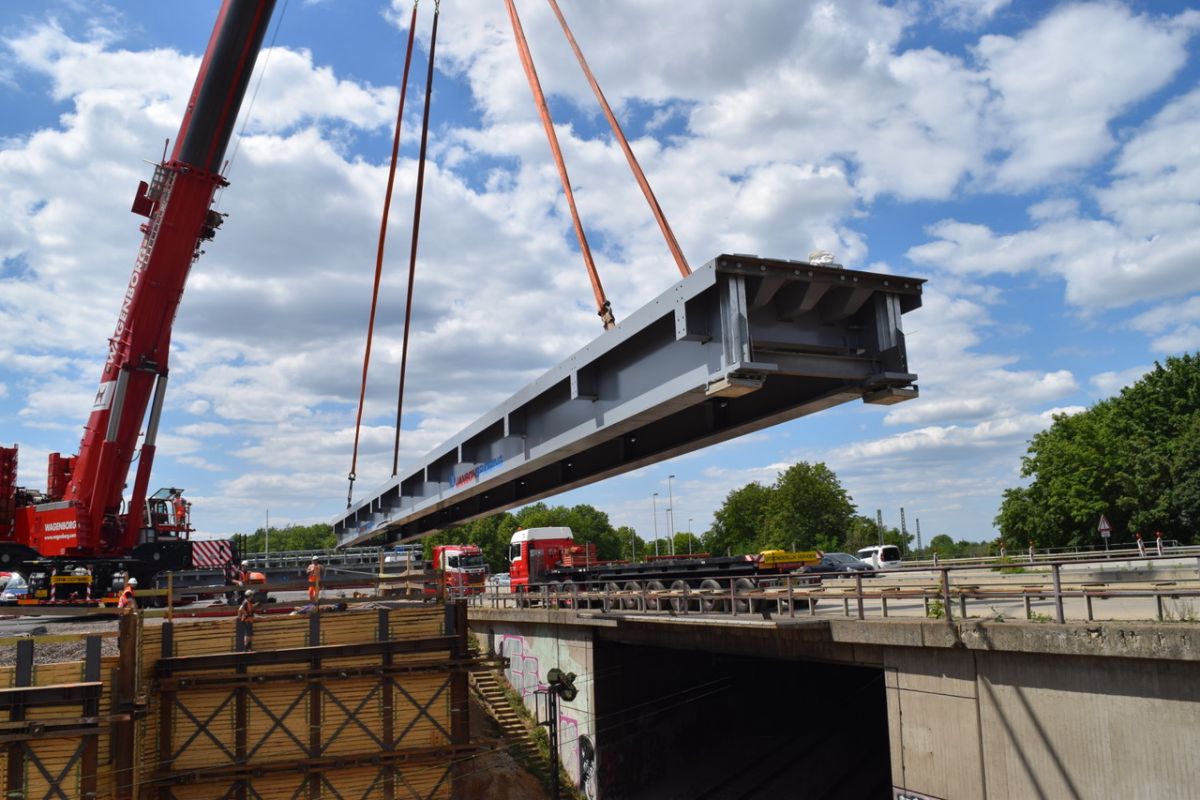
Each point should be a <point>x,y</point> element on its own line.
<point>360,704</point>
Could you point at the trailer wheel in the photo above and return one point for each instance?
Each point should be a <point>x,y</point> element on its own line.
<point>568,590</point>
<point>710,604</point>
<point>742,586</point>
<point>679,604</point>
<point>632,602</point>
<point>610,600</point>
<point>657,603</point>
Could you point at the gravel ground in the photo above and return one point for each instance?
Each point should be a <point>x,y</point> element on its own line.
<point>56,652</point>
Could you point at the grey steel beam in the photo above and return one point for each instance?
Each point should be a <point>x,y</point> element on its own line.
<point>741,344</point>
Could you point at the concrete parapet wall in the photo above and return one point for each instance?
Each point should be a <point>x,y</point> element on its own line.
<point>1011,725</point>
<point>1170,641</point>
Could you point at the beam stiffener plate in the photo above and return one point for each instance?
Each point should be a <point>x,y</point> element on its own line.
<point>741,344</point>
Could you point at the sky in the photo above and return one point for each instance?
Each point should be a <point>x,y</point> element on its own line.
<point>1037,162</point>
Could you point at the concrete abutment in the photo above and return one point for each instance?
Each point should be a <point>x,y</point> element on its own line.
<point>1002,711</point>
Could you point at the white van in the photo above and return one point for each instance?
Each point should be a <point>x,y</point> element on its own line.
<point>885,556</point>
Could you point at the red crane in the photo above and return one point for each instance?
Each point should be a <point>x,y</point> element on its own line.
<point>80,524</point>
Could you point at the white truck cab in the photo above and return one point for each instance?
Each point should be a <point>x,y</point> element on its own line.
<point>885,556</point>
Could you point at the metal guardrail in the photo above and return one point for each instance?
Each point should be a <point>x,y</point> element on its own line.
<point>1170,550</point>
<point>947,584</point>
<point>864,591</point>
<point>298,559</point>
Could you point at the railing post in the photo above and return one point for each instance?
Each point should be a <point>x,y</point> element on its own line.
<point>946,601</point>
<point>791,597</point>
<point>733,596</point>
<point>1058,598</point>
<point>858,592</point>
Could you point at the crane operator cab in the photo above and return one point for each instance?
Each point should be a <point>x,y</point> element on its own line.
<point>167,516</point>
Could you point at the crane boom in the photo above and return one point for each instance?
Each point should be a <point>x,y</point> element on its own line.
<point>81,514</point>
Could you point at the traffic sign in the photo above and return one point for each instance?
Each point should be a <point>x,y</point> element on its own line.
<point>1105,528</point>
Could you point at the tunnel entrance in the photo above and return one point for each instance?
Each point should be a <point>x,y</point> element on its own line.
<point>703,726</point>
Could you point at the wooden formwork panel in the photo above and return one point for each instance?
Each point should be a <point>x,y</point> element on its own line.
<point>365,696</point>
<point>53,729</point>
<point>51,766</point>
<point>337,706</point>
<point>425,781</point>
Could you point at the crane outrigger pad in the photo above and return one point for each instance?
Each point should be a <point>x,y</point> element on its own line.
<point>741,344</point>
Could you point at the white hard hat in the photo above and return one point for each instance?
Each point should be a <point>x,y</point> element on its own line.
<point>249,593</point>
<point>314,558</point>
<point>245,563</point>
<point>133,581</point>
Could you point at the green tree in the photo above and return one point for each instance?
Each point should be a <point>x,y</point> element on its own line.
<point>739,522</point>
<point>685,543</point>
<point>293,537</point>
<point>943,545</point>
<point>1132,457</point>
<point>805,508</point>
<point>808,510</point>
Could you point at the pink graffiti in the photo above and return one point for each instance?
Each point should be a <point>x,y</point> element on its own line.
<point>522,672</point>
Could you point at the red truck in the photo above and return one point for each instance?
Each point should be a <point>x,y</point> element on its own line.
<point>461,569</point>
<point>551,558</point>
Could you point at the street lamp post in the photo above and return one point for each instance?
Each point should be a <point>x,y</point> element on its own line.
<point>671,515</point>
<point>689,536</point>
<point>654,512</point>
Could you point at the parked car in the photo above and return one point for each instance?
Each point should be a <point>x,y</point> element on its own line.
<point>15,588</point>
<point>885,556</point>
<point>498,581</point>
<point>844,562</point>
<point>837,565</point>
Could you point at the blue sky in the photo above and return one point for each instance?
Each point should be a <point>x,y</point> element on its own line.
<point>1037,162</point>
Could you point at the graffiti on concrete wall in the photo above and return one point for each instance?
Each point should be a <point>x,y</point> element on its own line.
<point>523,666</point>
<point>525,674</point>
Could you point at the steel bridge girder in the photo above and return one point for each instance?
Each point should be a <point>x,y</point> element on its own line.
<point>741,344</point>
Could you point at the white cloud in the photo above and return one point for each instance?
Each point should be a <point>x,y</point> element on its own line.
<point>1175,326</point>
<point>967,14</point>
<point>1146,247</point>
<point>1108,384</point>
<point>774,149</point>
<point>1058,85</point>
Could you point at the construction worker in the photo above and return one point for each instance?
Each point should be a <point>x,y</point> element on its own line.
<point>245,616</point>
<point>238,576</point>
<point>1158,545</point>
<point>1141,546</point>
<point>128,603</point>
<point>314,579</point>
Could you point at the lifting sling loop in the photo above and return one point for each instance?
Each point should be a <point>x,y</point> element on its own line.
<point>416,227</point>
<point>602,304</point>
<point>387,205</point>
<point>640,176</point>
